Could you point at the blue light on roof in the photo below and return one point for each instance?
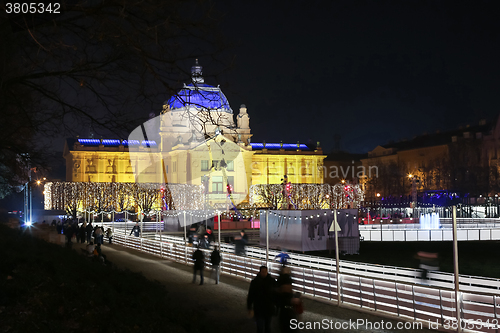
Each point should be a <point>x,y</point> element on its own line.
<point>149,143</point>
<point>294,146</point>
<point>131,142</point>
<point>111,142</point>
<point>89,142</point>
<point>273,146</point>
<point>277,146</point>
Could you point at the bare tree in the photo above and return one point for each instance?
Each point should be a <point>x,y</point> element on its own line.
<point>96,63</point>
<point>146,196</point>
<point>122,193</point>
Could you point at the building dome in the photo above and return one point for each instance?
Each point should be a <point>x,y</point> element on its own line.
<point>199,95</point>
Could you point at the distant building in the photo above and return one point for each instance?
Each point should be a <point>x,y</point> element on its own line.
<point>341,166</point>
<point>463,160</point>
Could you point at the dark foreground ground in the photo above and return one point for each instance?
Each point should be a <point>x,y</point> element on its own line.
<point>48,288</point>
<point>475,257</point>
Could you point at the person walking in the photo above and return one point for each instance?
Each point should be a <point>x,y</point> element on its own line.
<point>285,300</point>
<point>240,243</point>
<point>261,300</point>
<point>199,264</point>
<point>89,229</point>
<point>109,234</point>
<point>215,259</point>
<point>98,235</point>
<point>82,233</point>
<point>428,262</point>
<point>102,233</point>
<point>283,257</point>
<point>136,230</point>
<point>204,242</point>
<point>68,232</point>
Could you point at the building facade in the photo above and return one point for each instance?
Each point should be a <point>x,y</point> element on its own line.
<point>194,140</point>
<point>463,160</point>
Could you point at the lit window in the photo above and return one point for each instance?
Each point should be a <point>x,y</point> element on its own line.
<point>230,166</point>
<point>204,165</point>
<point>217,184</point>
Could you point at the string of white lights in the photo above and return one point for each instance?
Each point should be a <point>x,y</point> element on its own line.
<point>120,197</point>
<point>306,196</point>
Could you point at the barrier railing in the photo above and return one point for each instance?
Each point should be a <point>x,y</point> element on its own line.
<point>391,273</point>
<point>443,234</point>
<point>444,224</point>
<point>430,305</point>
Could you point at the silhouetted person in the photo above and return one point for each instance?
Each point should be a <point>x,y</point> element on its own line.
<point>192,236</point>
<point>215,259</point>
<point>89,229</point>
<point>199,264</point>
<point>260,300</point>
<point>240,243</point>
<point>285,299</point>
<point>204,242</point>
<point>82,233</point>
<point>68,232</point>
<point>136,230</point>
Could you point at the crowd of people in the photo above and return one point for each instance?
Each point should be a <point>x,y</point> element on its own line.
<point>203,237</point>
<point>200,236</point>
<point>83,231</point>
<point>93,235</point>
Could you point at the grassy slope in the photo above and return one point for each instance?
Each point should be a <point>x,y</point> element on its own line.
<point>44,287</point>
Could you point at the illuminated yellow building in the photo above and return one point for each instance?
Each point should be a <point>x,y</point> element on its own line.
<point>194,141</point>
<point>301,165</point>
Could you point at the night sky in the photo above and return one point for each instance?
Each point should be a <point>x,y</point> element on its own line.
<point>369,71</point>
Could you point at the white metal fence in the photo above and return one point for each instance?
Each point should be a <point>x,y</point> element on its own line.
<point>478,312</point>
<point>442,234</point>
<point>478,220</point>
<point>364,270</point>
<point>412,226</point>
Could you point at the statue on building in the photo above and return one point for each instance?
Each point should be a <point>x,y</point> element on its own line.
<point>111,168</point>
<point>243,118</point>
<point>166,108</point>
<point>90,166</point>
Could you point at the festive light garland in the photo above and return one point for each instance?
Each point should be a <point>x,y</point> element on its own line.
<point>119,197</point>
<point>306,196</point>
